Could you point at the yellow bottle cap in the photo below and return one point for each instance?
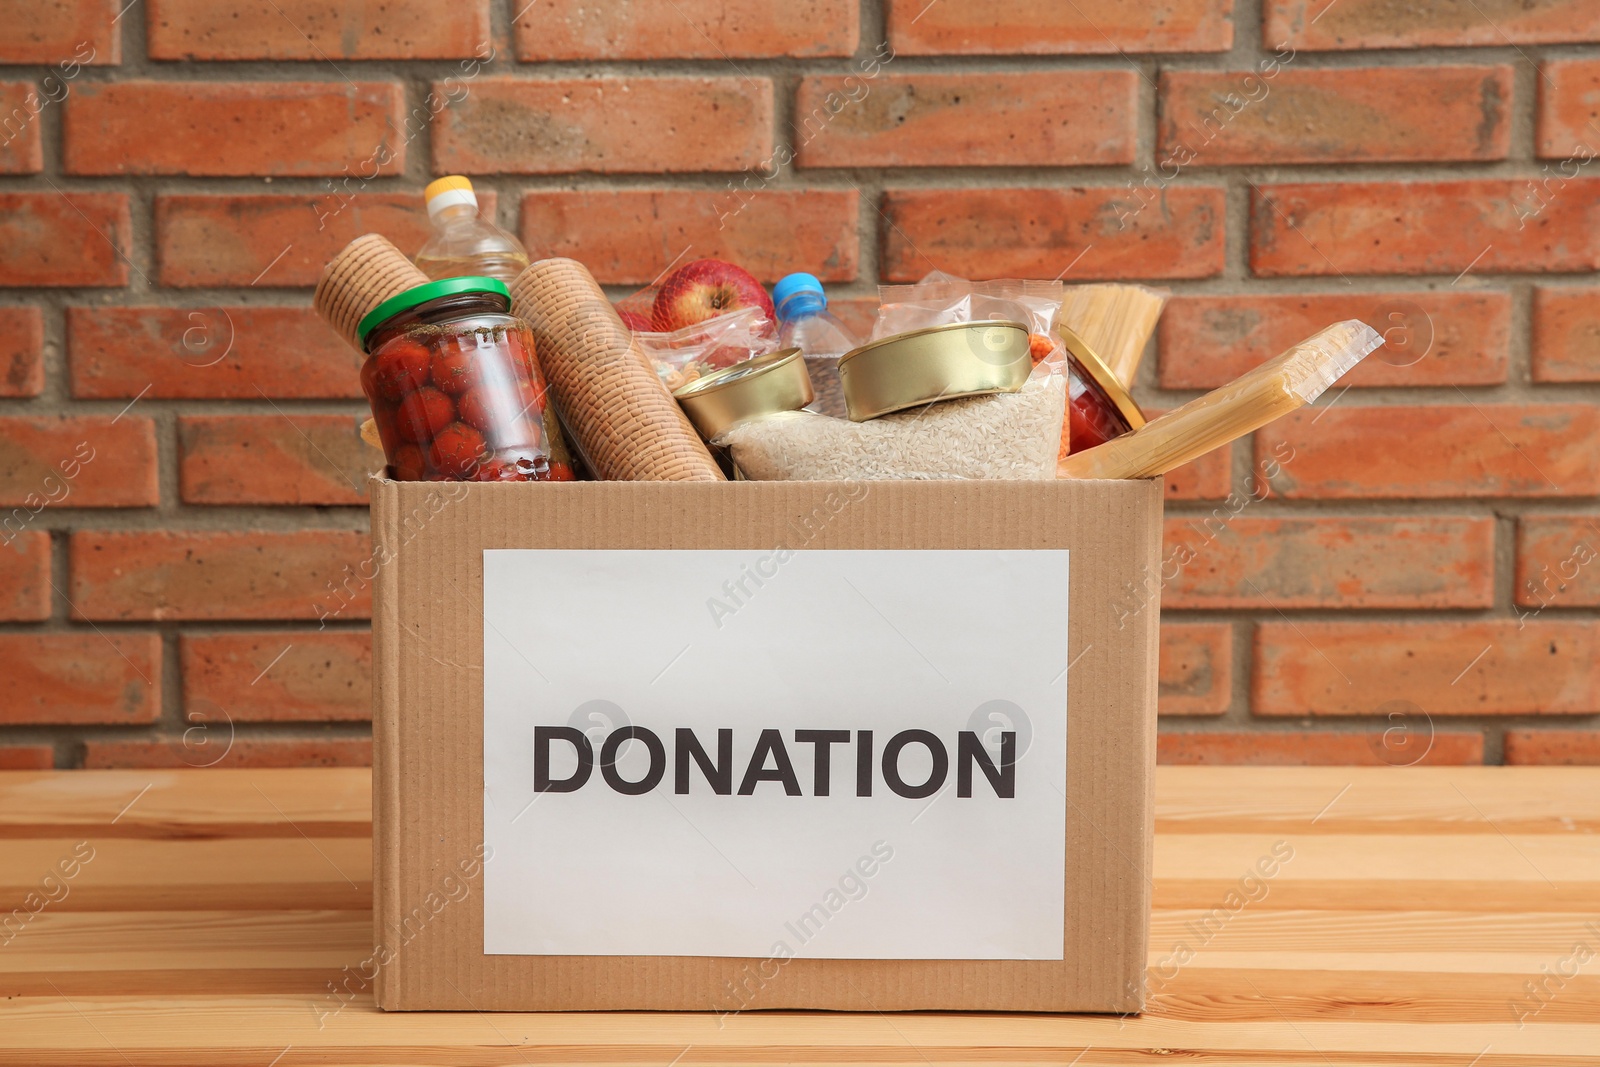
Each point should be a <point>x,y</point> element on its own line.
<point>439,185</point>
<point>448,192</point>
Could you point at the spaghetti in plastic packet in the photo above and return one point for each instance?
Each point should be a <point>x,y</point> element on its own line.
<point>1282,384</point>
<point>685,355</point>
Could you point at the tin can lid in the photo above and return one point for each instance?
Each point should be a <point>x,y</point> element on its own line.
<point>764,385</point>
<point>1094,368</point>
<point>421,294</point>
<point>947,362</point>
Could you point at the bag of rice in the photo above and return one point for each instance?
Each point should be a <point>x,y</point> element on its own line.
<point>1006,436</point>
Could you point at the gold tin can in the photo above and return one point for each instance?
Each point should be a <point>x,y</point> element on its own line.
<point>1096,370</point>
<point>915,368</point>
<point>756,387</point>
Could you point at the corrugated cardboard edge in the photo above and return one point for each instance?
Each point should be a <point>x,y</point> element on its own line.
<point>420,828</point>
<point>1154,534</point>
<point>385,734</point>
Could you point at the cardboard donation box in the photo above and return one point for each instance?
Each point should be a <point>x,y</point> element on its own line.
<point>866,746</point>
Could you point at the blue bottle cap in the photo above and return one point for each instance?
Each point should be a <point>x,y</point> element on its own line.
<point>797,283</point>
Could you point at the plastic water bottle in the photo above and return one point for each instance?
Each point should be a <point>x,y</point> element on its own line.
<point>804,323</point>
<point>463,244</point>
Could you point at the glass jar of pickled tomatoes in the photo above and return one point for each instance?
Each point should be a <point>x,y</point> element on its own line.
<point>456,389</point>
<point>1099,408</point>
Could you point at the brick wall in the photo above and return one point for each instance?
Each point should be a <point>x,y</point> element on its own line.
<point>1400,574</point>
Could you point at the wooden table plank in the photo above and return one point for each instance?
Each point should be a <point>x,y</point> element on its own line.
<point>1320,964</point>
<point>1397,930</point>
<point>135,874</point>
<point>319,802</point>
<point>1356,872</point>
<point>223,1030</point>
<point>1249,994</point>
<point>336,801</point>
<point>183,953</point>
<point>194,938</point>
<point>1345,872</point>
<point>1405,928</point>
<point>1377,800</point>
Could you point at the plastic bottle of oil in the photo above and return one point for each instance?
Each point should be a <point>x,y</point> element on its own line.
<point>463,244</point>
<point>806,324</point>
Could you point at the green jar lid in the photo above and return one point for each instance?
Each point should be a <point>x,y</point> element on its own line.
<point>421,294</point>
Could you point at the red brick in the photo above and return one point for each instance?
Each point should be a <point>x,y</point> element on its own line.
<point>274,459</point>
<point>238,240</point>
<point>1046,27</point>
<point>1559,747</point>
<point>1487,224</point>
<point>21,351</point>
<point>1317,748</point>
<point>1488,667</point>
<point>1196,672</point>
<point>605,125</point>
<point>1099,233</point>
<point>1558,562</point>
<point>1035,118</point>
<point>1317,25</point>
<point>1454,450</point>
<point>1347,115</point>
<point>80,678</point>
<point>24,570</point>
<point>233,351</point>
<point>85,461</point>
<point>280,676</point>
<point>1569,113</point>
<point>317,30</point>
<point>306,574</point>
<point>631,236</point>
<point>1566,334</point>
<point>1434,338</point>
<point>1207,478</point>
<point>27,757</point>
<point>688,29</point>
<point>234,128</point>
<point>56,239</point>
<point>20,107</point>
<point>1251,562</point>
<point>237,752</point>
<point>62,33</point>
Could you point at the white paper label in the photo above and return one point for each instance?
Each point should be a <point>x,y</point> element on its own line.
<point>775,755</point>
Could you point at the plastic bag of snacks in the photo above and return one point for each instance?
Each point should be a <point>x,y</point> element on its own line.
<point>685,355</point>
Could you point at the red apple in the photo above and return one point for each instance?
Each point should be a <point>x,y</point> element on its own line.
<point>705,289</point>
<point>635,322</point>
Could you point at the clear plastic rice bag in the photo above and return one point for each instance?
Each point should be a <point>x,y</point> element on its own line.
<point>1009,436</point>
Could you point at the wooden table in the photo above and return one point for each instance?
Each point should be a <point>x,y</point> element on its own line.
<point>1419,905</point>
